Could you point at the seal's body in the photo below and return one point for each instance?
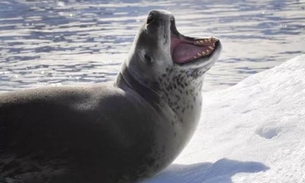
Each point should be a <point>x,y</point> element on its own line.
<point>114,132</point>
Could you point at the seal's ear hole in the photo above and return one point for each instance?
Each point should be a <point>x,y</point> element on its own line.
<point>148,59</point>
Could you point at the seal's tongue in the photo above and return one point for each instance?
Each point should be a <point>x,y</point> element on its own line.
<point>184,50</point>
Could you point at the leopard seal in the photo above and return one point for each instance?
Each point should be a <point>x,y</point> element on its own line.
<point>118,132</point>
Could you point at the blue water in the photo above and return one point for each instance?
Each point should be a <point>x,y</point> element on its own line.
<point>48,42</point>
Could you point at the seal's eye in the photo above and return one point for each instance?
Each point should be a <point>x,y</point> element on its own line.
<point>150,17</point>
<point>148,59</point>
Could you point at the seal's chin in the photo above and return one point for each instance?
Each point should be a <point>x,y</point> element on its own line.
<point>185,50</point>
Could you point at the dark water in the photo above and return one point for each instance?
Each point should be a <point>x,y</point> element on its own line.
<point>48,42</point>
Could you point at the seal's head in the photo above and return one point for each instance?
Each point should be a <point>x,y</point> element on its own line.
<point>171,64</point>
<point>159,49</point>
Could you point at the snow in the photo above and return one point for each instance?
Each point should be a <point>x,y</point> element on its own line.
<point>252,132</point>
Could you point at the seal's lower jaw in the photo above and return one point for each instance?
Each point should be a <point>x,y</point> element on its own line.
<point>187,50</point>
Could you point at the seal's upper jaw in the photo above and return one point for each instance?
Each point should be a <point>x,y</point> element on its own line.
<point>186,50</point>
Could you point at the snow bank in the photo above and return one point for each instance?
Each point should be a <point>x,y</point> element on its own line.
<point>252,132</point>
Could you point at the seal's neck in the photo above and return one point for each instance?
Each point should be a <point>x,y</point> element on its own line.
<point>182,89</point>
<point>178,91</point>
<point>126,80</point>
<point>177,100</point>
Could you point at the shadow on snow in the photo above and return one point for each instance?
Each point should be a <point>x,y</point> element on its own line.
<point>221,171</point>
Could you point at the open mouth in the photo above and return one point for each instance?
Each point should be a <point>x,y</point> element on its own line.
<point>187,50</point>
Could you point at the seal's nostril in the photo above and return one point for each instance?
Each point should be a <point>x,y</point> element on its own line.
<point>151,17</point>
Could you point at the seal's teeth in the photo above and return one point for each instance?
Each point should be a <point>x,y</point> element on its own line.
<point>212,48</point>
<point>203,53</point>
<point>198,43</point>
<point>211,41</point>
<point>199,54</point>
